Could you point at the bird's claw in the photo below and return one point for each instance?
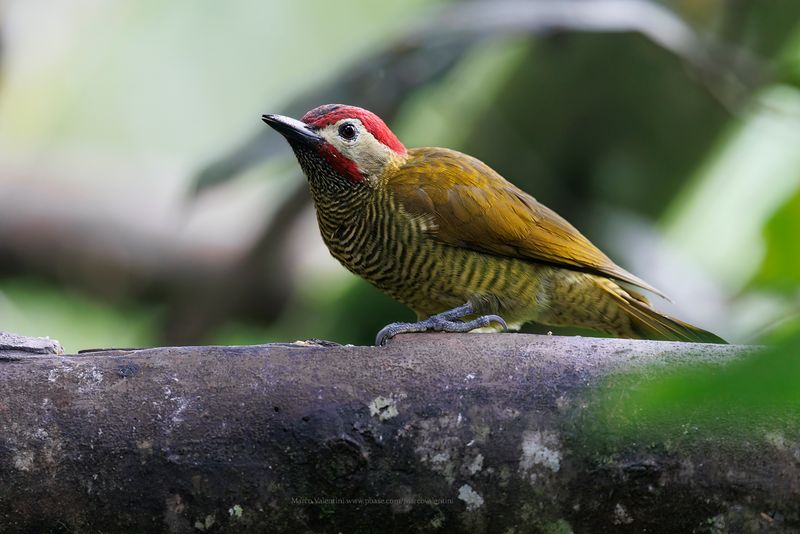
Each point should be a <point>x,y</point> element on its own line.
<point>443,322</point>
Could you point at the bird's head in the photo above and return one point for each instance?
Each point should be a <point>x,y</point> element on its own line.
<point>343,144</point>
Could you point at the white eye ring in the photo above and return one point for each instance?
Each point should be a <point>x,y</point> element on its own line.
<point>348,131</point>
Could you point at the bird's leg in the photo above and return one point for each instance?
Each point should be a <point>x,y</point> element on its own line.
<point>446,321</point>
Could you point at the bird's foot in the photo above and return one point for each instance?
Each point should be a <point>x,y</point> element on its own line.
<point>443,322</point>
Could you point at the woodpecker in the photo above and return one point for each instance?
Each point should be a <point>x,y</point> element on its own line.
<point>446,235</point>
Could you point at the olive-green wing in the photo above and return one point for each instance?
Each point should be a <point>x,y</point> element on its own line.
<point>471,206</point>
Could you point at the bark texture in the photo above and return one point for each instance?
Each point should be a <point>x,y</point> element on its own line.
<point>14,346</point>
<point>435,432</point>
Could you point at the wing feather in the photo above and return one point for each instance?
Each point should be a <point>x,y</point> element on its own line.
<point>472,206</point>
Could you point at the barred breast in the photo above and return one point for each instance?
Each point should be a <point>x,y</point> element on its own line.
<point>394,252</point>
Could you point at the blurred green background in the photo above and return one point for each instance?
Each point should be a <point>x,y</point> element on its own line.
<point>669,133</point>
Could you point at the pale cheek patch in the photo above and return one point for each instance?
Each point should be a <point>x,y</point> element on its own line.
<point>369,154</point>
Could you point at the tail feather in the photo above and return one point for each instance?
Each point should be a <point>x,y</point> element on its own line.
<point>650,324</point>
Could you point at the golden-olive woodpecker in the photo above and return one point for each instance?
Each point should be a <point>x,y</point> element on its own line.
<point>449,237</point>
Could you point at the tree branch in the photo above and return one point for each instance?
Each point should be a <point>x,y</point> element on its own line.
<point>470,433</point>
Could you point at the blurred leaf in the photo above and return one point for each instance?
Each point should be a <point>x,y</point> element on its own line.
<point>756,396</point>
<point>783,331</point>
<point>718,219</point>
<point>780,269</point>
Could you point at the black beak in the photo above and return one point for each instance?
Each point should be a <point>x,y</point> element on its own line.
<point>292,130</point>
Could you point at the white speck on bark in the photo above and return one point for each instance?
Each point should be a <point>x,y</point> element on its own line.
<point>477,464</point>
<point>539,448</point>
<point>23,460</point>
<point>440,457</point>
<point>383,407</point>
<point>471,497</point>
<point>621,515</point>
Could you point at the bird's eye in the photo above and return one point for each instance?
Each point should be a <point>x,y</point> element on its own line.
<point>347,131</point>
